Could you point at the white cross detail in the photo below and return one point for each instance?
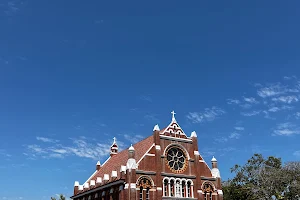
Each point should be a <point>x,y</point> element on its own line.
<point>114,140</point>
<point>173,115</point>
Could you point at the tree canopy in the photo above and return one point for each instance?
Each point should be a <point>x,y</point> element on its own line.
<point>264,179</point>
<point>61,197</point>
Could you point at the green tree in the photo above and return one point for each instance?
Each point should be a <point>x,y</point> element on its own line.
<point>263,179</point>
<point>61,197</point>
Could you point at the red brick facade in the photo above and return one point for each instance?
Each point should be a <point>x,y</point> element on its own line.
<point>166,165</point>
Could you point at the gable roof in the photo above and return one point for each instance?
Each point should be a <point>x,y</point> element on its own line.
<point>115,162</point>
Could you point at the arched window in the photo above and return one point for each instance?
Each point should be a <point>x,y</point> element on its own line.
<point>177,189</point>
<point>172,186</point>
<point>147,194</point>
<point>183,188</point>
<point>141,193</point>
<point>166,188</point>
<point>188,192</point>
<point>145,185</point>
<point>208,189</point>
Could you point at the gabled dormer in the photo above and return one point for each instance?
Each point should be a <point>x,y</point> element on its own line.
<point>173,129</point>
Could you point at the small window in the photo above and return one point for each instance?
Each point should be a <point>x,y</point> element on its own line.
<point>147,194</point>
<point>141,193</point>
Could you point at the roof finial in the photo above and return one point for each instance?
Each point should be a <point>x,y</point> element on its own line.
<point>173,116</point>
<point>114,139</point>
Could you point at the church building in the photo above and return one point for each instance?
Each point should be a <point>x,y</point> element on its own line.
<point>164,166</point>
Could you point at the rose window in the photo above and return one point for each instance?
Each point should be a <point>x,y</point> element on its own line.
<point>176,159</point>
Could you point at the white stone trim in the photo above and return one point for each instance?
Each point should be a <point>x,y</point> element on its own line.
<point>220,192</point>
<point>196,153</point>
<point>159,188</point>
<point>106,177</point>
<point>146,153</point>
<point>126,186</point>
<point>157,147</point>
<point>175,138</point>
<point>132,185</point>
<point>92,183</point>
<point>170,126</point>
<point>150,154</point>
<point>86,186</point>
<point>76,184</point>
<point>156,128</point>
<point>114,174</point>
<point>99,180</point>
<point>80,187</point>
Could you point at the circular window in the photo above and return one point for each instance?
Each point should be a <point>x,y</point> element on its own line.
<point>176,159</point>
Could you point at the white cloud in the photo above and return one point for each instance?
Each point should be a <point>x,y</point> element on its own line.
<point>133,138</point>
<point>233,101</point>
<point>81,147</point>
<point>238,128</point>
<point>252,113</point>
<point>251,100</point>
<point>286,99</point>
<point>274,109</point>
<point>234,135</point>
<point>209,114</point>
<point>44,139</point>
<point>286,129</point>
<point>271,90</point>
<point>297,115</point>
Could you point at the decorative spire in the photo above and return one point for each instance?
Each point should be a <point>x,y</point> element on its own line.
<point>213,159</point>
<point>114,147</point>
<point>156,128</point>
<point>98,166</point>
<point>194,134</point>
<point>114,140</point>
<point>173,116</point>
<point>131,148</point>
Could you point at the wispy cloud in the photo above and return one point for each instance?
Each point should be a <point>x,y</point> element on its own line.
<point>146,98</point>
<point>81,147</point>
<point>44,139</point>
<point>250,100</point>
<point>233,101</point>
<point>286,99</point>
<point>4,153</point>
<point>234,135</point>
<point>239,128</point>
<point>286,129</point>
<point>252,113</point>
<point>209,114</point>
<point>271,90</point>
<point>297,115</point>
<point>133,138</point>
<point>10,7</point>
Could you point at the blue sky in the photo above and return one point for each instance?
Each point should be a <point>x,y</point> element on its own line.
<point>74,74</point>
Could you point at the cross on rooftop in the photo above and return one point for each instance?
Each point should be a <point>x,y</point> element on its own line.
<point>114,139</point>
<point>173,115</point>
